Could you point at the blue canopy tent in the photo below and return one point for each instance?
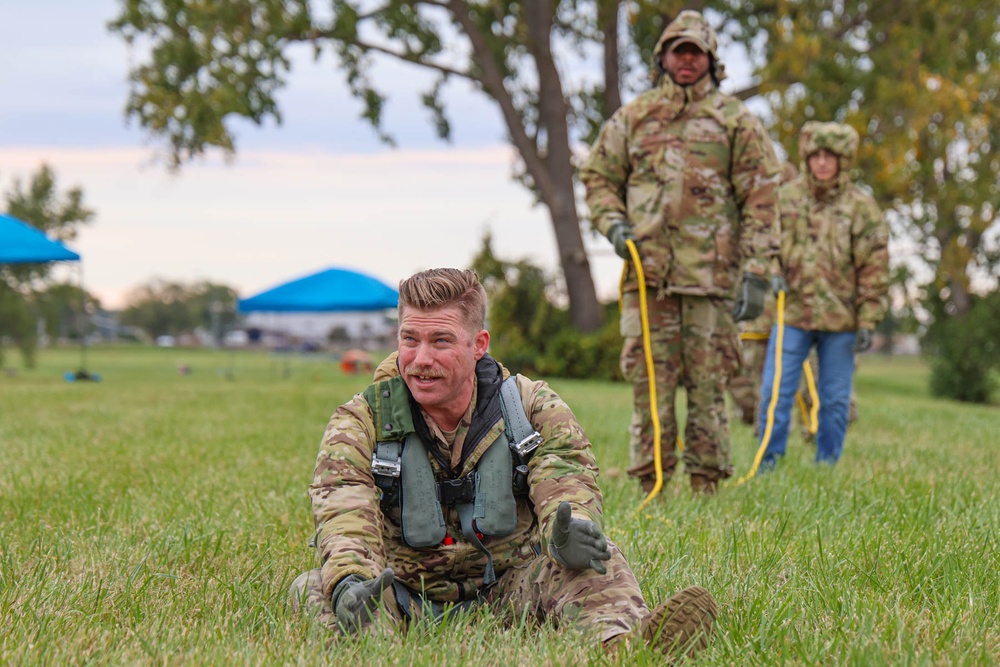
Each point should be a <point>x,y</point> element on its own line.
<point>20,243</point>
<point>331,291</point>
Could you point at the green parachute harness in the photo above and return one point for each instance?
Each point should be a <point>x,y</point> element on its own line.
<point>484,499</point>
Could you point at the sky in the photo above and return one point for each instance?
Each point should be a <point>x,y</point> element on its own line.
<point>318,191</point>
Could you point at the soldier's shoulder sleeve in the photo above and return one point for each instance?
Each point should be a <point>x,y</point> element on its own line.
<point>871,259</point>
<point>605,172</point>
<point>563,467</point>
<point>755,174</point>
<point>344,497</point>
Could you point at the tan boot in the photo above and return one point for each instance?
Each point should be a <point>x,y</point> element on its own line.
<point>703,486</point>
<point>682,624</point>
<point>306,592</point>
<point>647,484</point>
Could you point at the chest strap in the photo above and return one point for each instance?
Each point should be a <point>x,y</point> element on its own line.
<point>484,499</point>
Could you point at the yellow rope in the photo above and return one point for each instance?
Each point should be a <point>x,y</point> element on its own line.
<point>775,390</point>
<point>654,409</point>
<point>803,410</point>
<point>813,424</point>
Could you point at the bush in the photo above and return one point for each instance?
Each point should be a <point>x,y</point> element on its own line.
<point>964,349</point>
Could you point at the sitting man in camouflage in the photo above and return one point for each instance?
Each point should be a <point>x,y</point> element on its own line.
<point>427,496</point>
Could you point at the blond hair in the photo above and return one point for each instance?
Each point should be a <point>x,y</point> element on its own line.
<point>440,288</point>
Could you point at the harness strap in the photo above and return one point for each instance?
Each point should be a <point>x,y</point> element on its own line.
<point>466,513</point>
<point>524,439</point>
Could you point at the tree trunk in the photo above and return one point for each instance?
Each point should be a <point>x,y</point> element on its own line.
<point>547,156</point>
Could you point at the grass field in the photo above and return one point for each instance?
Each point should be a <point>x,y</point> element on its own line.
<point>158,518</point>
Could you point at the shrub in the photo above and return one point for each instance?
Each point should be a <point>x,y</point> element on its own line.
<point>964,349</point>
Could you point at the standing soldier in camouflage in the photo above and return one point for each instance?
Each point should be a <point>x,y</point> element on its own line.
<point>835,259</point>
<point>688,174</point>
<point>426,497</point>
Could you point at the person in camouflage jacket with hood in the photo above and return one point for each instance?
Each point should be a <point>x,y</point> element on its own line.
<point>835,263</point>
<point>689,175</point>
<point>551,561</point>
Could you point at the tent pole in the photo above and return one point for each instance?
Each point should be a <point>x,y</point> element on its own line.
<point>83,321</point>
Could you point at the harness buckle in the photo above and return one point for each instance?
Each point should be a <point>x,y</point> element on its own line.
<point>458,490</point>
<point>386,467</point>
<point>526,447</point>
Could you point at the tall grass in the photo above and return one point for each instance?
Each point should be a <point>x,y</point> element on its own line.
<point>157,518</point>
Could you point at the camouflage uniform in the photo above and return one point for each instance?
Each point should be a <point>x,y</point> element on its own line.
<point>693,174</point>
<point>744,386</point>
<point>355,537</point>
<point>834,255</point>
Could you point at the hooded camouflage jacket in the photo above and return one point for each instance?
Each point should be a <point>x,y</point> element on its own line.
<point>354,537</point>
<point>692,171</point>
<point>834,241</point>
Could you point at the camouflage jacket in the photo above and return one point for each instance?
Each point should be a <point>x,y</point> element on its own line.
<point>354,537</point>
<point>695,175</point>
<point>834,254</point>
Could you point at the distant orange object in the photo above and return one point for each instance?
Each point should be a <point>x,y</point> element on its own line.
<point>356,361</point>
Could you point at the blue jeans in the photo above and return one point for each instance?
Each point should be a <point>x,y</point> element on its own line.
<point>836,371</point>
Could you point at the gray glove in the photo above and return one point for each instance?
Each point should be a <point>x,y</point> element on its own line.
<point>618,234</point>
<point>577,543</point>
<point>355,599</point>
<point>863,341</point>
<point>779,284</point>
<point>750,302</point>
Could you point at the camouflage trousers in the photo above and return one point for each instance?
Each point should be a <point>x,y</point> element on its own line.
<point>744,386</point>
<point>694,344</point>
<point>606,605</point>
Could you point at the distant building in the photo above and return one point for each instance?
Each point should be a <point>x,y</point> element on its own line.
<point>375,329</point>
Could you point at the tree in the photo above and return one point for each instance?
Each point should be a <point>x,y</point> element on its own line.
<point>924,93</point>
<point>209,62</point>
<point>162,307</point>
<point>38,203</point>
<point>62,307</point>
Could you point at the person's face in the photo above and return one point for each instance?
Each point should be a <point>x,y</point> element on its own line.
<point>437,357</point>
<point>823,164</point>
<point>685,64</point>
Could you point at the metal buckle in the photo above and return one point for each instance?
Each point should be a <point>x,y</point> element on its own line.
<point>386,467</point>
<point>529,444</point>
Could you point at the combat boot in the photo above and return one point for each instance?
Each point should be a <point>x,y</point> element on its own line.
<point>682,624</point>
<point>306,592</point>
<point>701,485</point>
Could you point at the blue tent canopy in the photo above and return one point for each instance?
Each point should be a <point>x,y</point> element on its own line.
<point>20,243</point>
<point>329,291</point>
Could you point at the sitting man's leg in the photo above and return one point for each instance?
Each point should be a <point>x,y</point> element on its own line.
<point>607,605</point>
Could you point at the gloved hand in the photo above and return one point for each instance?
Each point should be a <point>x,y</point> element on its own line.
<point>863,341</point>
<point>618,234</point>
<point>779,284</point>
<point>355,600</point>
<point>577,543</point>
<point>750,302</point>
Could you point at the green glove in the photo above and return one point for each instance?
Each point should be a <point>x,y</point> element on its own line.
<point>577,543</point>
<point>355,599</point>
<point>618,234</point>
<point>863,341</point>
<point>750,302</point>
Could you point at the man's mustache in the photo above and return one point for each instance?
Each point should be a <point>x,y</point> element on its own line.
<point>423,371</point>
